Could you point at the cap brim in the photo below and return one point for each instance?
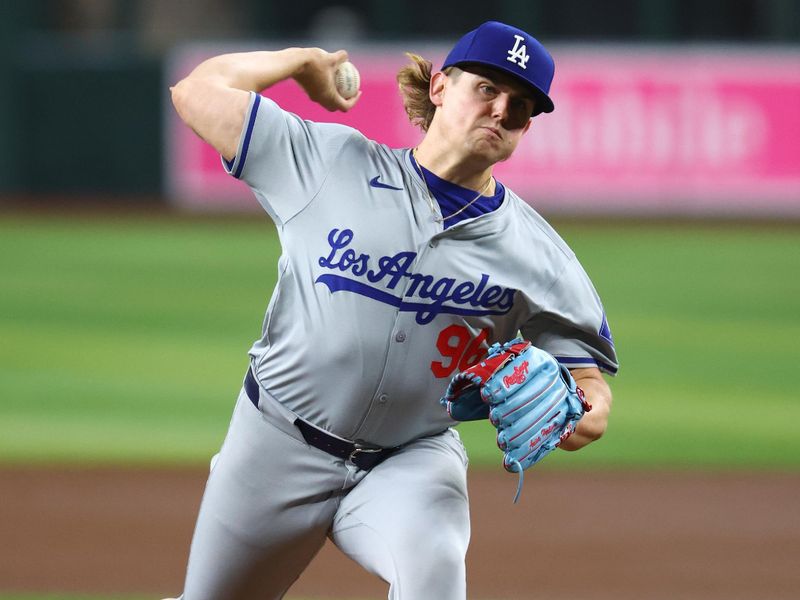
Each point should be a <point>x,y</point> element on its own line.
<point>543,102</point>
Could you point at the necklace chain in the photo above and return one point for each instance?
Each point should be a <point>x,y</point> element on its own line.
<point>430,196</point>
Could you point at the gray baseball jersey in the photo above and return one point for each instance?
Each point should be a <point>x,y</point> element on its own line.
<point>376,307</point>
<point>393,304</point>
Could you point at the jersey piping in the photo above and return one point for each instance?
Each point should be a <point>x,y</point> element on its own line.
<point>241,156</point>
<point>587,361</point>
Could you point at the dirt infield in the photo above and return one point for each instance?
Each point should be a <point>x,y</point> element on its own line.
<point>573,536</point>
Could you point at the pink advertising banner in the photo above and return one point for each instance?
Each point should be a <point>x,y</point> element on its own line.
<point>636,130</point>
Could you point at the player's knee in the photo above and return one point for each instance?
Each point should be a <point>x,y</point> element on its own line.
<point>447,555</point>
<point>438,572</point>
<point>451,558</point>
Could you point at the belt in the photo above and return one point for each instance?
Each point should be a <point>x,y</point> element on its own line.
<point>361,456</point>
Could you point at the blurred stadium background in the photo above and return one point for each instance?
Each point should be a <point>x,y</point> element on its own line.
<point>134,273</point>
<point>72,69</point>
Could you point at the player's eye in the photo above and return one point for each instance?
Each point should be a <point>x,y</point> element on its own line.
<point>522,105</point>
<point>487,89</point>
<point>519,104</point>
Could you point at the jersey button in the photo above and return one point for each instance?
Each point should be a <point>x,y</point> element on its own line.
<point>433,243</point>
<point>400,337</point>
<point>383,398</point>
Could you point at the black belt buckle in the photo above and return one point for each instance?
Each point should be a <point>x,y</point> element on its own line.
<point>366,458</point>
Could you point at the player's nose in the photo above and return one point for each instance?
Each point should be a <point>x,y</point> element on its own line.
<point>500,106</point>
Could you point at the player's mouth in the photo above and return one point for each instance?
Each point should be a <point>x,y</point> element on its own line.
<point>494,131</point>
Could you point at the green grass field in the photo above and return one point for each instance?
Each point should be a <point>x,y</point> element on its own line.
<point>123,340</point>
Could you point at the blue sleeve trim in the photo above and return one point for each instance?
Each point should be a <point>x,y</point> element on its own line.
<point>570,360</point>
<point>247,134</point>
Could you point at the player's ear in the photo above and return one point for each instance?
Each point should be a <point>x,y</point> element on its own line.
<point>436,90</point>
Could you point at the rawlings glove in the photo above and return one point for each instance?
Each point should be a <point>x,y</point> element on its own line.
<point>527,395</point>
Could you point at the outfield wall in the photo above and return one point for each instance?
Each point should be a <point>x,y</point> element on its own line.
<point>637,130</point>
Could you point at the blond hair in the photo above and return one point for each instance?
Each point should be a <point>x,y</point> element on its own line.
<point>414,81</point>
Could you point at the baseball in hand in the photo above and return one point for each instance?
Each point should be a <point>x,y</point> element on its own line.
<point>347,80</point>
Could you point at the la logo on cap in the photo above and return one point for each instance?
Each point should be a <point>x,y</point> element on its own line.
<point>519,53</point>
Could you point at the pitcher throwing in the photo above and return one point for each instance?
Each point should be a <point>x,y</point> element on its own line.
<point>400,267</point>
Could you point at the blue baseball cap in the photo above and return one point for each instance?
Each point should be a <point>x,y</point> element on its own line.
<point>512,51</point>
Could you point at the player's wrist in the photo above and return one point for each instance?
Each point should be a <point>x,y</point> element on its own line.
<point>306,62</point>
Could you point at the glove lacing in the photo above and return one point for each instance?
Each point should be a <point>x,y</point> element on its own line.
<point>521,480</point>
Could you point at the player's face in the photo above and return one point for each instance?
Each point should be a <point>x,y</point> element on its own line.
<point>486,111</point>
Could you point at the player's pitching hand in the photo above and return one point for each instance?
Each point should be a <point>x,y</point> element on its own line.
<point>317,78</point>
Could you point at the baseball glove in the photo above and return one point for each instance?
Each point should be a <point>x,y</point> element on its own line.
<point>530,398</point>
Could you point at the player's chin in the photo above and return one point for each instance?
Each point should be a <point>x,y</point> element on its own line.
<point>493,153</point>
<point>491,143</point>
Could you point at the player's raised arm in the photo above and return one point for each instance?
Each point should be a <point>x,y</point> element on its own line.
<point>213,98</point>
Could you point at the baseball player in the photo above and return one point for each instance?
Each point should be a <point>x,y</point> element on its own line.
<point>400,267</point>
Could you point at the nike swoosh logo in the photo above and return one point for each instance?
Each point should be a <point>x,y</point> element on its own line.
<point>377,184</point>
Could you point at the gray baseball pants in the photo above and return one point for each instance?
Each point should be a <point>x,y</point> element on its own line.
<point>271,500</point>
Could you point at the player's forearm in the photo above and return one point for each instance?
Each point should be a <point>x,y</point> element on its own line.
<point>594,423</point>
<point>252,71</point>
<point>213,98</point>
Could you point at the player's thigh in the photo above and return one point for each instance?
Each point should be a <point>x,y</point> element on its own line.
<point>266,510</point>
<point>408,520</point>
